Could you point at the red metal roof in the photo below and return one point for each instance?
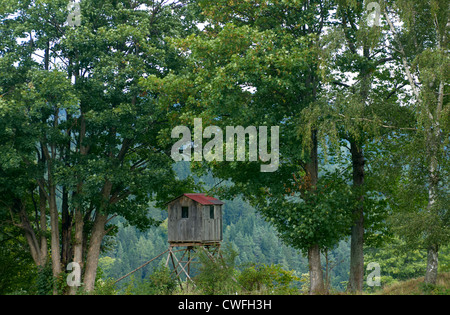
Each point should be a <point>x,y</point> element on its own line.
<point>201,198</point>
<point>204,200</point>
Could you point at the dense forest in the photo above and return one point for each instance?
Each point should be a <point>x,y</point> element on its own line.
<point>323,125</point>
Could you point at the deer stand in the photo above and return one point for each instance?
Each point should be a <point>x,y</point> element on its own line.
<point>182,266</point>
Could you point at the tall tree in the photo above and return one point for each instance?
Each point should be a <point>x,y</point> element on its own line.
<point>360,106</point>
<point>255,64</point>
<point>18,140</point>
<point>96,147</point>
<point>421,45</point>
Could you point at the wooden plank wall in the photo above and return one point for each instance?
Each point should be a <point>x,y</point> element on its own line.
<point>212,228</point>
<point>198,227</point>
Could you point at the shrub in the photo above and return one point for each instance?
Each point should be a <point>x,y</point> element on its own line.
<point>216,274</point>
<point>160,282</point>
<point>268,279</point>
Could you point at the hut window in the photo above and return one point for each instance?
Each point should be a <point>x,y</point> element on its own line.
<point>211,212</point>
<point>184,212</point>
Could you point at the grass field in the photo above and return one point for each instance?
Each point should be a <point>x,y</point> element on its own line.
<point>418,287</point>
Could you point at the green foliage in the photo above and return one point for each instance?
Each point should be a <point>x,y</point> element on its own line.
<point>264,70</point>
<point>86,115</point>
<point>265,279</point>
<point>432,289</point>
<point>215,275</point>
<point>255,240</point>
<point>251,236</point>
<point>17,271</point>
<point>104,287</point>
<point>160,282</point>
<point>44,281</point>
<point>397,262</point>
<point>322,217</point>
<point>74,118</point>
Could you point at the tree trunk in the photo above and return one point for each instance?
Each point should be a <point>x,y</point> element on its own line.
<point>98,232</point>
<point>315,271</point>
<point>30,235</point>
<point>43,227</point>
<point>432,265</point>
<point>356,279</point>
<point>66,226</point>
<point>434,138</point>
<point>54,215</point>
<point>315,267</point>
<point>54,226</point>
<point>78,244</point>
<point>78,238</point>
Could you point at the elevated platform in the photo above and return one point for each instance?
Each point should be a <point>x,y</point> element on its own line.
<point>181,265</point>
<point>194,244</point>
